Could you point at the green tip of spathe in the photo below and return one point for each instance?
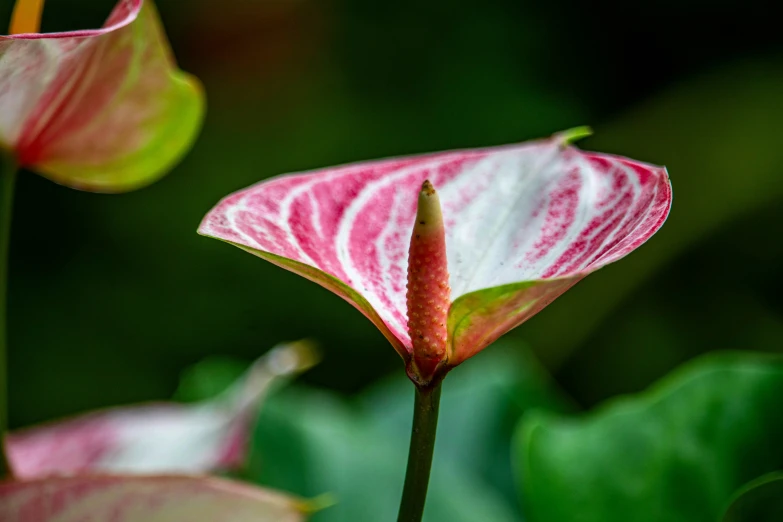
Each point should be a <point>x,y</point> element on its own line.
<point>313,505</point>
<point>569,136</point>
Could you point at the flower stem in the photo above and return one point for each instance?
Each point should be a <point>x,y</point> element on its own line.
<point>417,476</point>
<point>8,169</point>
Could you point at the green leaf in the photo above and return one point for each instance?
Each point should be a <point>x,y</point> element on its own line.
<point>676,452</point>
<point>208,378</point>
<point>312,442</point>
<point>761,500</point>
<point>214,375</point>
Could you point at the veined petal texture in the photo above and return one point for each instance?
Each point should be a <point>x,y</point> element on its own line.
<point>523,224</point>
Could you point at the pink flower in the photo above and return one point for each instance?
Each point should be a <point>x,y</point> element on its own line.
<point>522,224</point>
<point>105,109</point>
<point>99,465</point>
<point>159,438</point>
<point>165,498</point>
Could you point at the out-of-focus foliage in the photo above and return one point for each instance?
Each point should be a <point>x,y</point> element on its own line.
<point>761,500</point>
<point>677,452</point>
<point>312,441</point>
<point>480,408</point>
<point>309,441</point>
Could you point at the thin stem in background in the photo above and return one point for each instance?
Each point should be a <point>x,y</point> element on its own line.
<point>7,177</point>
<point>417,476</point>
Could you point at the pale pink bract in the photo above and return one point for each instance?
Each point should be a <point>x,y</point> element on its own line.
<point>161,498</point>
<point>201,437</point>
<point>102,109</point>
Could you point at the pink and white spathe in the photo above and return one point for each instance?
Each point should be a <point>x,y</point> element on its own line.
<point>105,109</point>
<point>141,463</point>
<point>159,438</point>
<point>523,223</point>
<point>161,498</point>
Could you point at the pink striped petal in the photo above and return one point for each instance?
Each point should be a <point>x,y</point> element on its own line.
<point>104,498</point>
<point>158,438</point>
<point>104,109</point>
<point>523,224</point>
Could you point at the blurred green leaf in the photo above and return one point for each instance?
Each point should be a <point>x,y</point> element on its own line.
<point>208,378</point>
<point>481,403</point>
<point>761,500</point>
<point>311,442</point>
<point>676,452</point>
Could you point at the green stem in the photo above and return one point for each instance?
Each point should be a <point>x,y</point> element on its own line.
<point>417,477</point>
<point>8,170</point>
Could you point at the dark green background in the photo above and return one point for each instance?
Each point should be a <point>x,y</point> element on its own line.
<point>111,296</point>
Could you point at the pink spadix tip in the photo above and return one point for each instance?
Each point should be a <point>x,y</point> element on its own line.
<point>428,288</point>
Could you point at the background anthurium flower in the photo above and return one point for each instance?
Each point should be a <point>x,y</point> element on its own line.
<point>144,499</point>
<point>103,110</point>
<point>523,223</point>
<point>159,438</point>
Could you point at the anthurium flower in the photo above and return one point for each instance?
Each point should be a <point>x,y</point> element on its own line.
<point>159,438</point>
<point>144,499</point>
<point>508,230</point>
<point>105,109</point>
